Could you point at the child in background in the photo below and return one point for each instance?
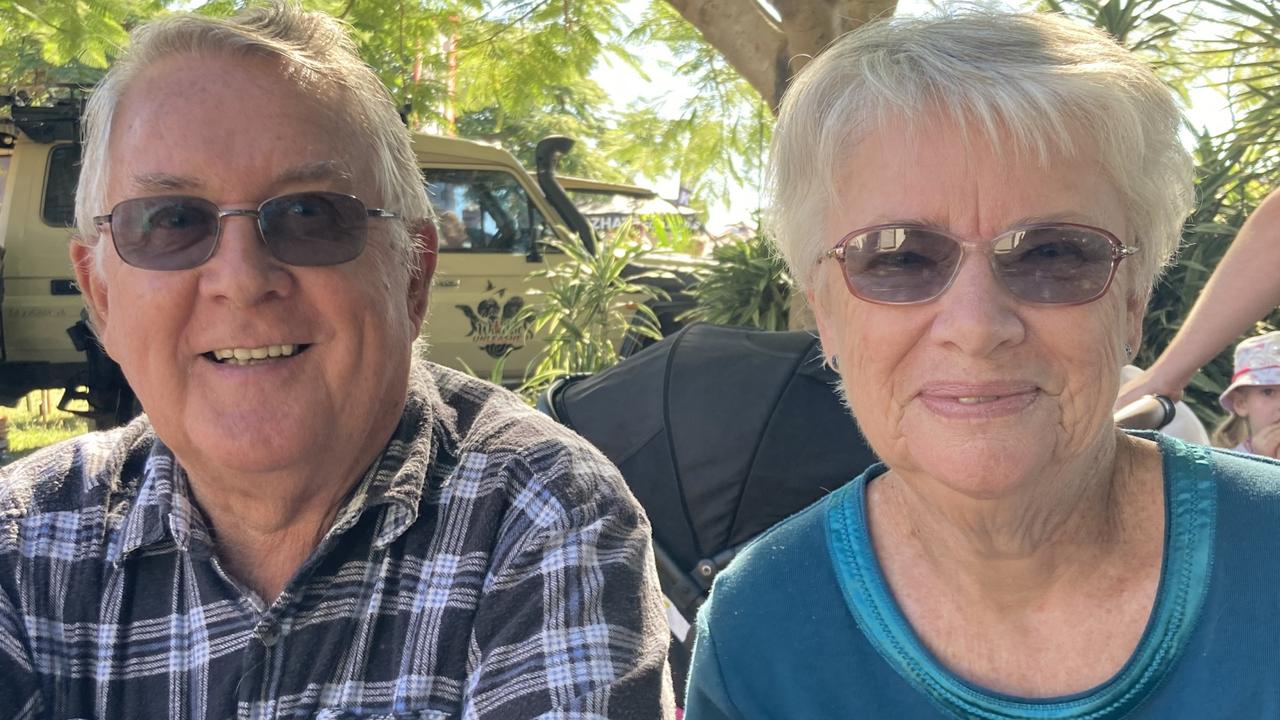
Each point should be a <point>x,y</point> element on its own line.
<point>1253,399</point>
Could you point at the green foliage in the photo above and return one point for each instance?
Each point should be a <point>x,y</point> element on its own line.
<point>720,136</point>
<point>30,429</point>
<point>1228,190</point>
<point>47,43</point>
<point>506,71</point>
<point>1235,170</point>
<point>671,233</point>
<point>1154,29</point>
<point>594,302</point>
<point>1247,59</point>
<point>747,286</point>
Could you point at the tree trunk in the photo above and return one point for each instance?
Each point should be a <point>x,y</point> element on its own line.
<point>768,52</point>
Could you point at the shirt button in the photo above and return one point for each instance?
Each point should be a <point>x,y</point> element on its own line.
<point>270,636</point>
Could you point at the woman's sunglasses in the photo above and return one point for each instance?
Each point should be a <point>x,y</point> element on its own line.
<point>1051,263</point>
<point>177,232</point>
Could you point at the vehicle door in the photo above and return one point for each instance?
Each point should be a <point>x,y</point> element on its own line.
<point>40,298</point>
<point>491,235</point>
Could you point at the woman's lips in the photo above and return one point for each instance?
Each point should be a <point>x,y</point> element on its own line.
<point>960,401</point>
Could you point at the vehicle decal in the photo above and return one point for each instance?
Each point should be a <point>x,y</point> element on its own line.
<point>498,327</point>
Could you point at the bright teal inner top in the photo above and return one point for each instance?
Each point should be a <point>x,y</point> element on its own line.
<point>803,625</point>
<point>1189,529</point>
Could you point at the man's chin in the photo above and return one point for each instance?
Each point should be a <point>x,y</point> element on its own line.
<point>250,441</point>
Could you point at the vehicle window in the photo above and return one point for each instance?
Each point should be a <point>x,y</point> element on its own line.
<point>483,211</point>
<point>59,207</point>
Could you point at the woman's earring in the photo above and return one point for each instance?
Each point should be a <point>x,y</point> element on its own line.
<point>834,362</point>
<point>1128,352</point>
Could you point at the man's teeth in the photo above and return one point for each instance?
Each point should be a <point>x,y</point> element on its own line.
<point>976,399</point>
<point>244,356</point>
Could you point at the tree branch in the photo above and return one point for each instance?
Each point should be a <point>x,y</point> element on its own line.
<point>747,37</point>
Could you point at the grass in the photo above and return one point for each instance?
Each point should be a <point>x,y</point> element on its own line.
<point>29,431</point>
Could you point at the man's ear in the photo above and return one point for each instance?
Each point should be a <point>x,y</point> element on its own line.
<point>93,286</point>
<point>426,251</point>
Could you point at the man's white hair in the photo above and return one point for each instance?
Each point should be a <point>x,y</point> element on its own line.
<point>314,50</point>
<point>1039,80</point>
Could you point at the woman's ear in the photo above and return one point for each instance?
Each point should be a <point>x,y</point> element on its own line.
<point>1135,311</point>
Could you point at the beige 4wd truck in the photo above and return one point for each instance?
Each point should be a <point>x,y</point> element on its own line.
<point>494,219</point>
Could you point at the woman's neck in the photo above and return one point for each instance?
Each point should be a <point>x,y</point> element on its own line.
<point>1055,529</point>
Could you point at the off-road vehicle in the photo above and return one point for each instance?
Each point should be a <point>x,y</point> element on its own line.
<point>494,221</point>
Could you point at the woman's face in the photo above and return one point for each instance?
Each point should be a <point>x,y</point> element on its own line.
<point>975,389</point>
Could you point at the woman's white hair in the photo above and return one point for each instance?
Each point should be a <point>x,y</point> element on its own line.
<point>1040,80</point>
<point>314,50</point>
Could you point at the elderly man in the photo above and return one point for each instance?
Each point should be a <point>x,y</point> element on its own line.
<point>305,523</point>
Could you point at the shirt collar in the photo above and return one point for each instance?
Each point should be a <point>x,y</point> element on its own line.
<point>162,512</point>
<point>417,455</point>
<point>414,460</point>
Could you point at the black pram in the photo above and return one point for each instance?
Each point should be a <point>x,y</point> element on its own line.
<point>720,433</point>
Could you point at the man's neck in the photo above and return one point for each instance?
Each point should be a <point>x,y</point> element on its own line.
<point>265,528</point>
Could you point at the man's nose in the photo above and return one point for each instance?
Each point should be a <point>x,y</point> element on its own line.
<point>242,269</point>
<point>976,314</point>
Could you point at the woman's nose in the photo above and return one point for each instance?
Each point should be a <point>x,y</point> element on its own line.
<point>976,314</point>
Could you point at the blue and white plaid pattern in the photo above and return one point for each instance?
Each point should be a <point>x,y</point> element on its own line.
<point>489,565</point>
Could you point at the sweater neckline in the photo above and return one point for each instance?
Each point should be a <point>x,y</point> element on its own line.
<point>1190,515</point>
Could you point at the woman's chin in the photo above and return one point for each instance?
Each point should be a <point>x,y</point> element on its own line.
<point>983,467</point>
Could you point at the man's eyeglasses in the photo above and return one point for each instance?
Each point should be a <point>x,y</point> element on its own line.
<point>1051,263</point>
<point>177,232</point>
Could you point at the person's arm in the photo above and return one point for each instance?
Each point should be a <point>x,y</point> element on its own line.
<point>707,697</point>
<point>1244,288</point>
<point>571,621</point>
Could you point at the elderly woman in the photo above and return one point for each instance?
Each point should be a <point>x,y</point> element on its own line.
<point>978,206</point>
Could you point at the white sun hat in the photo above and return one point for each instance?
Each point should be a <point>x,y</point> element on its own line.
<point>1257,363</point>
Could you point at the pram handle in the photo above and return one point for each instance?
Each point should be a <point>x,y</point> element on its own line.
<point>1149,412</point>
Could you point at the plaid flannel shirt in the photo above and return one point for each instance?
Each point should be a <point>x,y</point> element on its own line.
<point>490,564</point>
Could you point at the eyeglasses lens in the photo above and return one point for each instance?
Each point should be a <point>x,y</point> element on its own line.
<point>900,265</point>
<point>1042,264</point>
<point>179,232</point>
<point>314,228</point>
<point>1053,264</point>
<point>164,233</point>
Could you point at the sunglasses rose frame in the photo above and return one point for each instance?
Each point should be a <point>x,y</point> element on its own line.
<point>1056,263</point>
<point>179,232</point>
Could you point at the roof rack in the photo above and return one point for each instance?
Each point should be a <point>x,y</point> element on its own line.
<point>47,123</point>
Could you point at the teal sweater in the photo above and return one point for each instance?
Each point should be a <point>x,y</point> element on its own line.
<point>802,624</point>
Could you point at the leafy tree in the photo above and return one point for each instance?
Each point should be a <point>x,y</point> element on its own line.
<point>1235,168</point>
<point>54,42</point>
<point>717,141</point>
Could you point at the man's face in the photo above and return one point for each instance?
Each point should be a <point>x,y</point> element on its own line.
<point>235,132</point>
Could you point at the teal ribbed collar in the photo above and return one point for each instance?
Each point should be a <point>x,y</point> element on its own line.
<point>1190,513</point>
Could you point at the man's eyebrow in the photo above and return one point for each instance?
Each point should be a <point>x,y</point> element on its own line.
<point>331,170</point>
<point>320,170</point>
<point>164,182</point>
